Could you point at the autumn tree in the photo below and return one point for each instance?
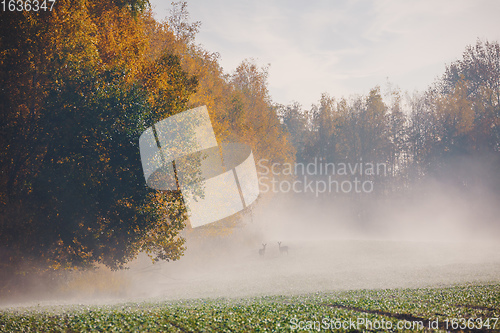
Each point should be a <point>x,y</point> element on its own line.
<point>325,124</point>
<point>477,74</point>
<point>422,136</point>
<point>79,85</point>
<point>397,131</point>
<point>296,123</point>
<point>465,104</point>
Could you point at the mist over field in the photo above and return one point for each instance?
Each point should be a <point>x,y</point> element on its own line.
<point>384,190</point>
<point>434,238</point>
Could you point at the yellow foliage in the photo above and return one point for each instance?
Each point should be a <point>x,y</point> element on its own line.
<point>456,111</point>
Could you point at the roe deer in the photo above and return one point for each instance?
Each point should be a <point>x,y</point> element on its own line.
<point>283,249</point>
<point>263,250</point>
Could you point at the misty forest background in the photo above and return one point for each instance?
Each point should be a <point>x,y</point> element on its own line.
<point>78,86</point>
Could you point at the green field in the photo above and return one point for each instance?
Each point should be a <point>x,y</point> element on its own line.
<point>459,308</point>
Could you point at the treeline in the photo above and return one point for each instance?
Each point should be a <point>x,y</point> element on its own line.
<point>78,85</point>
<point>450,132</point>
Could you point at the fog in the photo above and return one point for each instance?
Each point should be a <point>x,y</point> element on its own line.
<point>434,237</point>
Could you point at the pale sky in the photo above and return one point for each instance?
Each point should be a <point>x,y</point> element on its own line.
<point>341,47</point>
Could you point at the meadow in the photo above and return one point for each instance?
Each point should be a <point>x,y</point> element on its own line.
<point>470,307</point>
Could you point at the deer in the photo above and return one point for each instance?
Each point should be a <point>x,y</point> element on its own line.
<point>283,249</point>
<point>263,250</point>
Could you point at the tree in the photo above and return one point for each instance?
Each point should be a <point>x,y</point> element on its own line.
<point>79,85</point>
<point>397,135</point>
<point>178,21</point>
<point>254,119</point>
<point>478,72</point>
<point>239,105</point>
<point>295,122</point>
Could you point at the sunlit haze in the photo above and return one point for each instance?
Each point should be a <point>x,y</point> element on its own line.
<point>216,166</point>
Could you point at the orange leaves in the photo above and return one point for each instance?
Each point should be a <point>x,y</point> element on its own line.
<point>121,39</point>
<point>74,100</point>
<point>69,37</point>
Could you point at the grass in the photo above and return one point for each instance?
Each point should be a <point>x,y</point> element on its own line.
<point>462,308</point>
